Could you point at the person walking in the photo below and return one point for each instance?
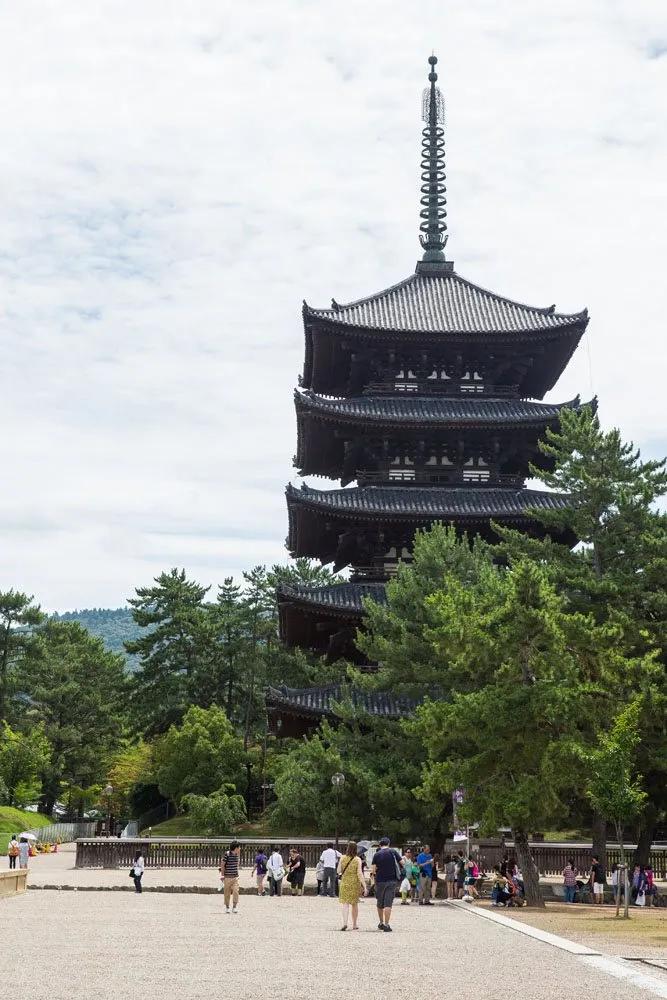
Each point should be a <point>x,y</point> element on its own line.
<point>13,851</point>
<point>569,881</point>
<point>386,869</point>
<point>276,871</point>
<point>259,870</point>
<point>425,865</point>
<point>296,872</point>
<point>329,858</point>
<point>24,852</point>
<point>230,874</point>
<point>352,884</point>
<point>138,871</point>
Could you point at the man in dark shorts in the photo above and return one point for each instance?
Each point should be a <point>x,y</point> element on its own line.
<point>296,869</point>
<point>386,869</point>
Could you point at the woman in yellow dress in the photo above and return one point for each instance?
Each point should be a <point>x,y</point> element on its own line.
<point>352,884</point>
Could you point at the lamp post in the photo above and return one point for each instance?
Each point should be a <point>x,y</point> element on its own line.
<point>337,780</point>
<point>108,791</point>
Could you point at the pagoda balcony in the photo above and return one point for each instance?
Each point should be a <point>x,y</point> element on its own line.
<point>450,387</point>
<point>439,477</point>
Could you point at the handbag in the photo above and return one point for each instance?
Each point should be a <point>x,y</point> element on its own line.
<point>132,872</point>
<point>277,874</point>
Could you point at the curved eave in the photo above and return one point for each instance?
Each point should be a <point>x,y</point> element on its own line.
<point>323,425</point>
<point>319,324</point>
<point>315,524</point>
<point>330,411</point>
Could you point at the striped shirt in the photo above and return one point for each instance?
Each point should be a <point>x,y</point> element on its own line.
<point>231,865</point>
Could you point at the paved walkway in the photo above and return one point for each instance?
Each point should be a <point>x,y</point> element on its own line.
<point>120,946</point>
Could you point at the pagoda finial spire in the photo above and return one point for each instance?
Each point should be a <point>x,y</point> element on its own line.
<point>433,228</point>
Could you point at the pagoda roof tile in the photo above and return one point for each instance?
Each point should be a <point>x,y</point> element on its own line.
<point>447,304</point>
<point>433,502</point>
<point>397,409</point>
<point>321,700</point>
<point>337,597</point>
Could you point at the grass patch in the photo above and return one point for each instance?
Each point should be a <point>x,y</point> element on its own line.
<point>15,820</point>
<point>181,826</point>
<point>646,926</point>
<point>563,836</point>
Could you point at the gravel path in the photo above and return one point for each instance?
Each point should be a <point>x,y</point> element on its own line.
<point>118,946</point>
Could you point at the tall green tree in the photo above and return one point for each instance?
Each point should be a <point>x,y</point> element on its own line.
<point>19,617</point>
<point>201,756</point>
<point>382,766</point>
<point>77,691</point>
<point>523,674</point>
<point>22,758</point>
<point>613,784</point>
<point>618,573</point>
<point>176,641</point>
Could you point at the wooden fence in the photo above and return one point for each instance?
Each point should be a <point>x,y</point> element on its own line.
<point>185,852</point>
<point>552,858</point>
<point>191,852</point>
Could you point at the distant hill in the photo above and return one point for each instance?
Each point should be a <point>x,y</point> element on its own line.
<point>113,625</point>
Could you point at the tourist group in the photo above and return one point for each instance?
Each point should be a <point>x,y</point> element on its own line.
<point>411,875</point>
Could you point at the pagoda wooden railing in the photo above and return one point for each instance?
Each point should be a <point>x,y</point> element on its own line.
<point>424,477</point>
<point>432,387</point>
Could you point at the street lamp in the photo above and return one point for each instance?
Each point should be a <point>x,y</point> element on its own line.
<point>337,780</point>
<point>108,791</point>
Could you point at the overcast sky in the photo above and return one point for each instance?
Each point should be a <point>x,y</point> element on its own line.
<point>176,177</point>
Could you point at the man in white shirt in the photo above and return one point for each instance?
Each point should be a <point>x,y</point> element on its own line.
<point>329,859</point>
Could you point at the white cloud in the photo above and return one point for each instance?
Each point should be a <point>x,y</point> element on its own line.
<point>176,179</point>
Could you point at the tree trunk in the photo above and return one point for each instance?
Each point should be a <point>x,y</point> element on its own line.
<point>599,832</point>
<point>531,877</point>
<point>647,827</point>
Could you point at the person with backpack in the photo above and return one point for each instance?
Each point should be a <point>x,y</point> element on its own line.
<point>13,851</point>
<point>388,873</point>
<point>259,869</point>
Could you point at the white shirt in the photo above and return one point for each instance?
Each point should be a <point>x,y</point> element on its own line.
<point>275,862</point>
<point>330,857</point>
<point>139,865</point>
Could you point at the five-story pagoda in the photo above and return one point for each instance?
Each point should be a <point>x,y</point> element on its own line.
<point>426,395</point>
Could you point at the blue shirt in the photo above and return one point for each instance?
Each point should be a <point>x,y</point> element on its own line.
<point>426,869</point>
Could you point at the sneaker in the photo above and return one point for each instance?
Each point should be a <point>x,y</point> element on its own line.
<point>386,927</point>
<point>263,893</point>
<point>235,910</point>
<point>381,927</point>
<point>227,910</point>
